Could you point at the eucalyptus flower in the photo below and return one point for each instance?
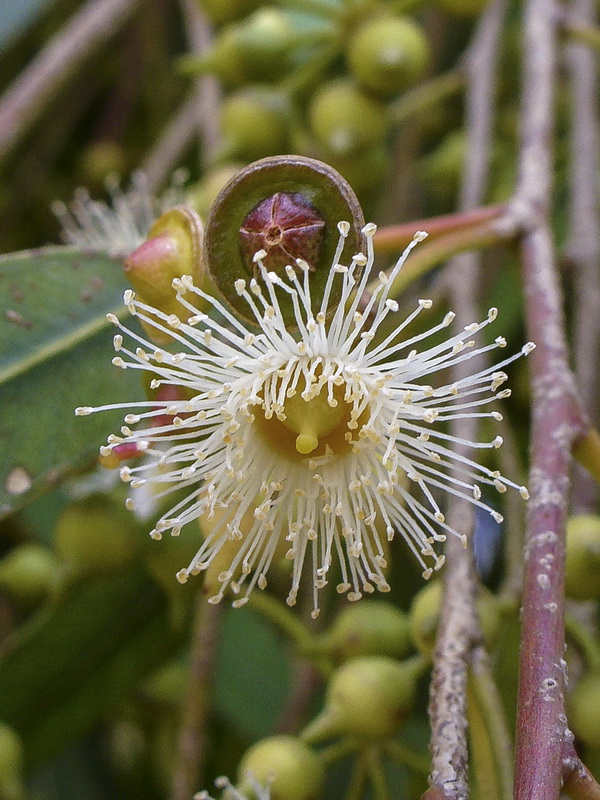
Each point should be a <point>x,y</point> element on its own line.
<point>122,224</point>
<point>319,443</point>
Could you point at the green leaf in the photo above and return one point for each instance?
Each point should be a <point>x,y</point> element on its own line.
<point>65,671</point>
<point>253,676</point>
<point>55,355</point>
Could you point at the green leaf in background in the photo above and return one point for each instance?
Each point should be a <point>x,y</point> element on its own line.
<point>55,355</point>
<point>253,673</point>
<point>64,672</point>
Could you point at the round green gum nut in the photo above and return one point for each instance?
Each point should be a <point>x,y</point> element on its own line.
<point>583,705</point>
<point>425,613</point>
<point>367,698</point>
<point>254,124</point>
<point>221,12</point>
<point>371,627</point>
<point>266,39</point>
<point>387,54</point>
<point>582,578</point>
<point>344,119</point>
<point>96,535</point>
<point>462,8</point>
<point>12,758</point>
<point>289,207</point>
<point>285,763</point>
<point>29,573</point>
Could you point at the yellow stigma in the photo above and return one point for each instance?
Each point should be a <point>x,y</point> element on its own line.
<point>306,442</point>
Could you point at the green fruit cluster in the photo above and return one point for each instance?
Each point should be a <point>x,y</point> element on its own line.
<point>280,66</point>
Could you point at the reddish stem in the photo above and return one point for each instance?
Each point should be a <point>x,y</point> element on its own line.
<point>558,420</point>
<point>395,237</point>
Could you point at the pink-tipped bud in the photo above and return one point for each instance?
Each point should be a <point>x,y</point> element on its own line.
<point>173,249</point>
<point>151,268</point>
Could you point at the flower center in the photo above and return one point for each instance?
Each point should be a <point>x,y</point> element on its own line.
<point>324,424</point>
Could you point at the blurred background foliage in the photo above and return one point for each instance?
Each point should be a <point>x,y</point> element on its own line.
<point>95,632</point>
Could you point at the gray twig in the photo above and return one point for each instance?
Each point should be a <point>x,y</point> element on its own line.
<point>459,628</point>
<point>583,248</point>
<point>25,99</point>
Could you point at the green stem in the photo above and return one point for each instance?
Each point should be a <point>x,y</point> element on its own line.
<point>402,754</point>
<point>287,622</point>
<point>584,641</point>
<point>426,95</point>
<point>490,740</point>
<point>357,777</point>
<point>377,774</point>
<point>586,34</point>
<point>310,71</point>
<point>335,752</point>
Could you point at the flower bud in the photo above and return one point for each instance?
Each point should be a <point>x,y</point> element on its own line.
<point>254,124</point>
<point>96,535</point>
<point>173,249</point>
<point>224,60</point>
<point>344,119</point>
<point>12,759</point>
<point>425,614</point>
<point>387,54</point>
<point>28,574</point>
<point>582,578</point>
<point>367,698</point>
<point>277,205</point>
<point>99,160</point>
<point>583,704</point>
<point>290,767</point>
<point>371,627</point>
<point>266,39</point>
